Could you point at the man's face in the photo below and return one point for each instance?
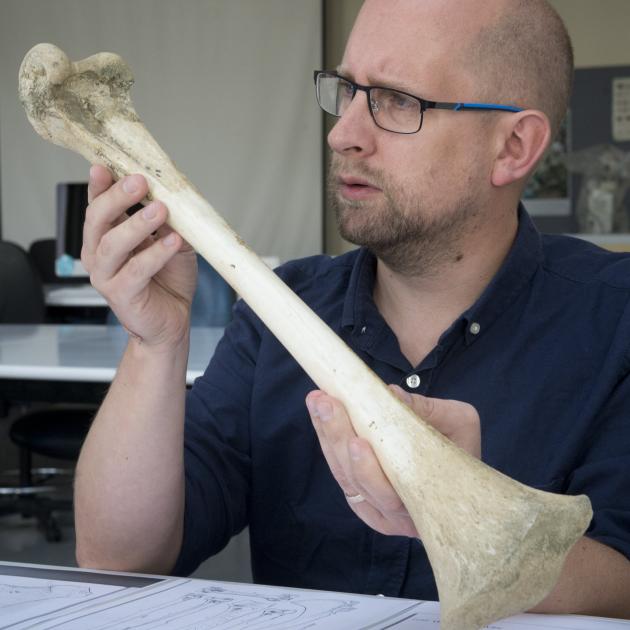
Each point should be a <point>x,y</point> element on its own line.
<point>410,198</point>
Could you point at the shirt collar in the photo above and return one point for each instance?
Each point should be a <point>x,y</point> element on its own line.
<point>522,261</point>
<point>360,289</point>
<point>514,274</point>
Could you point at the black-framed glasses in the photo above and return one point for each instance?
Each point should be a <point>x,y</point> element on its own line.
<point>391,110</point>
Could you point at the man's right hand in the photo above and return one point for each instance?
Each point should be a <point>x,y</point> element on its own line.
<point>145,271</point>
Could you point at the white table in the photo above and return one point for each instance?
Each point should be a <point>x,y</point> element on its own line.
<point>37,362</point>
<point>67,295</point>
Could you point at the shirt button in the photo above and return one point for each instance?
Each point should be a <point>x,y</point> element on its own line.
<point>413,381</point>
<point>475,328</point>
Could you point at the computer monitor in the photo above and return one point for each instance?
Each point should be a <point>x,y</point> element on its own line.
<point>71,201</point>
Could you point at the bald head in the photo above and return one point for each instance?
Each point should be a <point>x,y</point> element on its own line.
<point>524,56</point>
<point>504,51</point>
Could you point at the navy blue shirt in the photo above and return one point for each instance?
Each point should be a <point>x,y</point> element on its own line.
<point>543,355</point>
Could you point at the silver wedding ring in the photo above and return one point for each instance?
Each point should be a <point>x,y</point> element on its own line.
<point>356,498</point>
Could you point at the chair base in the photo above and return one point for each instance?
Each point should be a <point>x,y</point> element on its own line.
<point>57,432</point>
<point>37,499</point>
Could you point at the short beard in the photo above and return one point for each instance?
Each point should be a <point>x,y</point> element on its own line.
<point>400,232</point>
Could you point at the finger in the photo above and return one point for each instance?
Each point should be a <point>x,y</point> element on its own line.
<point>457,420</point>
<point>117,245</point>
<point>137,272</point>
<point>164,230</point>
<point>134,235</point>
<point>99,181</point>
<point>370,480</point>
<point>383,509</point>
<point>321,413</point>
<point>384,523</point>
<point>106,209</point>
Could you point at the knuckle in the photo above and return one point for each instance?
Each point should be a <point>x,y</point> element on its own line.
<point>103,288</point>
<point>106,245</point>
<point>334,435</point>
<point>88,222</point>
<point>426,407</point>
<point>134,267</point>
<point>338,474</point>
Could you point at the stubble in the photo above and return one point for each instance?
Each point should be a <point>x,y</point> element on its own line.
<point>411,235</point>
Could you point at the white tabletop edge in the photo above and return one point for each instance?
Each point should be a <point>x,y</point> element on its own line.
<point>71,374</point>
<point>82,353</point>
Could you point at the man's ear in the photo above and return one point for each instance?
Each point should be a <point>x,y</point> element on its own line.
<point>522,140</point>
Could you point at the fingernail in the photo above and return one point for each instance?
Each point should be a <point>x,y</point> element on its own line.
<point>169,240</point>
<point>324,410</point>
<point>129,185</point>
<point>355,451</point>
<point>149,212</point>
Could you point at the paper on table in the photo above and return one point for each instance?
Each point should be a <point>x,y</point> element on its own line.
<point>427,615</point>
<point>178,604</point>
<point>28,599</point>
<point>182,603</point>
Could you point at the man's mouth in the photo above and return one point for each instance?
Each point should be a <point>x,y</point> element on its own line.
<point>356,188</point>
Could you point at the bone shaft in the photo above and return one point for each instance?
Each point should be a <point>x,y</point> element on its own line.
<point>322,354</point>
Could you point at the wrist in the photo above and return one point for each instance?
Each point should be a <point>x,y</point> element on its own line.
<point>174,351</point>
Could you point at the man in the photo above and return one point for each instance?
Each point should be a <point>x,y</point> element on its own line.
<point>454,296</point>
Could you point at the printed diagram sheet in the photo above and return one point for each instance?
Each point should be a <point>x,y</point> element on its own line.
<point>25,598</point>
<point>188,604</point>
<point>200,605</point>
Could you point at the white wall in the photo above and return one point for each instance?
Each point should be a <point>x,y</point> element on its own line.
<point>225,88</point>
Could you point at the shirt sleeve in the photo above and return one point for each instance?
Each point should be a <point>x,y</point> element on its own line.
<point>217,446</point>
<point>603,473</point>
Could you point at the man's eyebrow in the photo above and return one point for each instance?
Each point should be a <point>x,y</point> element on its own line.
<point>392,85</point>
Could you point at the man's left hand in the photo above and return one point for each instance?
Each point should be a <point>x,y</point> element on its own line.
<point>355,467</point>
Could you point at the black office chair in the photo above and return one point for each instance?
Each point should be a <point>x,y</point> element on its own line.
<point>43,253</point>
<point>51,430</point>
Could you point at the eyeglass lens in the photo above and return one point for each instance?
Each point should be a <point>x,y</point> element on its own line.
<point>391,110</point>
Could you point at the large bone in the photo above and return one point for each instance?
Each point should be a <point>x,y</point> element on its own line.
<point>496,546</point>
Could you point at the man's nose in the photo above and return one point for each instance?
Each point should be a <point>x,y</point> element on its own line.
<point>355,130</point>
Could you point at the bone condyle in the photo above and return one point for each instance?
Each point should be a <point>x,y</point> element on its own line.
<point>496,546</point>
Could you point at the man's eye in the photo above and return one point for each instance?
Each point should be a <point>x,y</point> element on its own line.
<point>400,101</point>
<point>345,89</point>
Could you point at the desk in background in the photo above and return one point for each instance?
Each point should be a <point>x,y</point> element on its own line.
<point>74,304</point>
<point>52,362</point>
<point>69,295</point>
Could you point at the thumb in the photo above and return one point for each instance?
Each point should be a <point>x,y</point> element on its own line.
<point>431,410</point>
<point>456,420</point>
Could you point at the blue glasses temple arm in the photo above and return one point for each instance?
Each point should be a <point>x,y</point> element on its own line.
<point>462,106</point>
